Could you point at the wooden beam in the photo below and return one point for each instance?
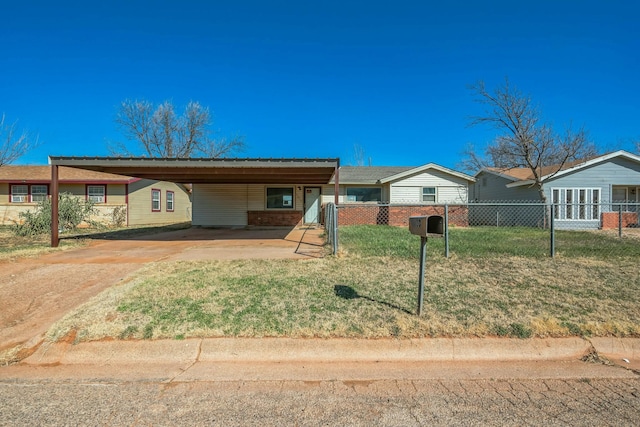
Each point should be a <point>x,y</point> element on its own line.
<point>54,206</point>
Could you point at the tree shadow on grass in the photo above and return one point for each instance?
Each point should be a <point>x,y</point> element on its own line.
<point>347,292</point>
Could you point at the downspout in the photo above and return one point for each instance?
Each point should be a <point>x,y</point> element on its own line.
<point>54,206</point>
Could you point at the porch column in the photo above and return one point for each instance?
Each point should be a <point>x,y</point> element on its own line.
<point>54,206</point>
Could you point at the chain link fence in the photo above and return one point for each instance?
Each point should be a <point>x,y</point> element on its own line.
<point>522,228</point>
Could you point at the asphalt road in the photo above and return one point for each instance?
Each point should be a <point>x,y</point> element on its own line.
<point>574,402</point>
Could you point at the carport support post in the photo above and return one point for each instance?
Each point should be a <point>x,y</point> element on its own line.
<point>54,207</point>
<point>423,257</point>
<point>336,198</point>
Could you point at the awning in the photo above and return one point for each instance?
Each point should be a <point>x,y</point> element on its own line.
<point>212,171</point>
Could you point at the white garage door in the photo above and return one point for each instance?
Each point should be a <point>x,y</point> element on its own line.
<point>220,205</point>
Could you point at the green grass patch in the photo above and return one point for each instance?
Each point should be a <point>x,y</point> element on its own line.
<point>478,242</point>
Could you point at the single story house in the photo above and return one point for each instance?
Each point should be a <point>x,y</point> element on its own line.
<point>585,194</point>
<point>144,201</point>
<point>391,194</point>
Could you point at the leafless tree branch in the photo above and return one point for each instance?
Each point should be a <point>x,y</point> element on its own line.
<point>160,132</point>
<point>13,142</point>
<point>523,140</point>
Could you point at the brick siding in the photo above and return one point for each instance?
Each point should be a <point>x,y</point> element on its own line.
<point>612,219</point>
<point>398,215</point>
<point>274,218</point>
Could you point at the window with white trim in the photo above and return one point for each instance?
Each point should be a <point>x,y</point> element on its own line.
<point>579,204</point>
<point>364,194</point>
<point>621,196</point>
<point>96,193</point>
<point>170,203</point>
<point>155,200</point>
<point>279,197</point>
<point>19,193</point>
<point>39,193</point>
<point>429,194</point>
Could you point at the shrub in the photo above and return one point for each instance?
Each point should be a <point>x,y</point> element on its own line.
<point>72,211</point>
<point>119,216</point>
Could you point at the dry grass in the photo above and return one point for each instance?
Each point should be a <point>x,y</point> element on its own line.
<point>12,246</point>
<point>356,296</point>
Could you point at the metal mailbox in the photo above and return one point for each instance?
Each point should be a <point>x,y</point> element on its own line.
<point>430,225</point>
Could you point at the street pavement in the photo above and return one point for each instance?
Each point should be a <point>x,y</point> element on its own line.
<point>275,382</point>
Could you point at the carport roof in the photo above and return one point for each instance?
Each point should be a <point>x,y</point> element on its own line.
<point>213,171</point>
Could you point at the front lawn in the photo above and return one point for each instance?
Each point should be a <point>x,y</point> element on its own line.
<point>370,290</point>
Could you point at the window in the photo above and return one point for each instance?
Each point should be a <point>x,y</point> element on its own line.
<point>619,194</point>
<point>576,203</point>
<point>96,193</point>
<point>22,193</point>
<point>19,193</point>
<point>364,194</point>
<point>39,193</point>
<point>429,194</point>
<point>280,198</point>
<point>155,200</point>
<point>170,195</point>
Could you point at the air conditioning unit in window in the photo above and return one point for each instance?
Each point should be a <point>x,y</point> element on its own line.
<point>18,199</point>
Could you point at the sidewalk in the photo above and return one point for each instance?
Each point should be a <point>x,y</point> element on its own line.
<point>271,359</point>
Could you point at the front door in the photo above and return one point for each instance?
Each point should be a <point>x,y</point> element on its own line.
<point>311,205</point>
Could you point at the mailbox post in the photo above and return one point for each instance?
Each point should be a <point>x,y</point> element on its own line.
<point>425,226</point>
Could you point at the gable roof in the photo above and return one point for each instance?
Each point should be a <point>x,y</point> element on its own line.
<point>524,176</point>
<point>385,174</point>
<point>368,174</point>
<point>42,174</point>
<point>426,167</point>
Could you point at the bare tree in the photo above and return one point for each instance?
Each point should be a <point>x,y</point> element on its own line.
<point>524,140</point>
<point>14,143</point>
<point>160,132</point>
<point>358,155</point>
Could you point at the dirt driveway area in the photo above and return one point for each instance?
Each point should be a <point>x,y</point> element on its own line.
<point>36,292</point>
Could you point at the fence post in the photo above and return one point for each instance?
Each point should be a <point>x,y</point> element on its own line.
<point>446,230</point>
<point>335,229</point>
<point>552,242</point>
<point>620,220</point>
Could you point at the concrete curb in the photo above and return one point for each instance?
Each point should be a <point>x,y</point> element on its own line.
<point>275,350</point>
<point>621,351</point>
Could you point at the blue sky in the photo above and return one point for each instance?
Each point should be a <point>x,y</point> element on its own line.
<point>314,78</point>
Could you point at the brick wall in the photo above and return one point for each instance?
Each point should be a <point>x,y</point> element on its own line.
<point>612,219</point>
<point>398,215</point>
<point>274,218</point>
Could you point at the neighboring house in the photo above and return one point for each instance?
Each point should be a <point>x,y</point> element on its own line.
<point>429,183</point>
<point>389,194</point>
<point>587,194</point>
<point>145,201</point>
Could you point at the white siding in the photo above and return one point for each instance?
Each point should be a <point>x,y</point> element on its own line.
<point>449,188</point>
<point>328,194</point>
<point>220,205</point>
<point>256,194</point>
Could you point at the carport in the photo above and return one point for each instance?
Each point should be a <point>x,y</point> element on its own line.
<point>200,171</point>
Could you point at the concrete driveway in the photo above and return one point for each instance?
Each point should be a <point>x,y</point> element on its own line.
<point>36,292</point>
